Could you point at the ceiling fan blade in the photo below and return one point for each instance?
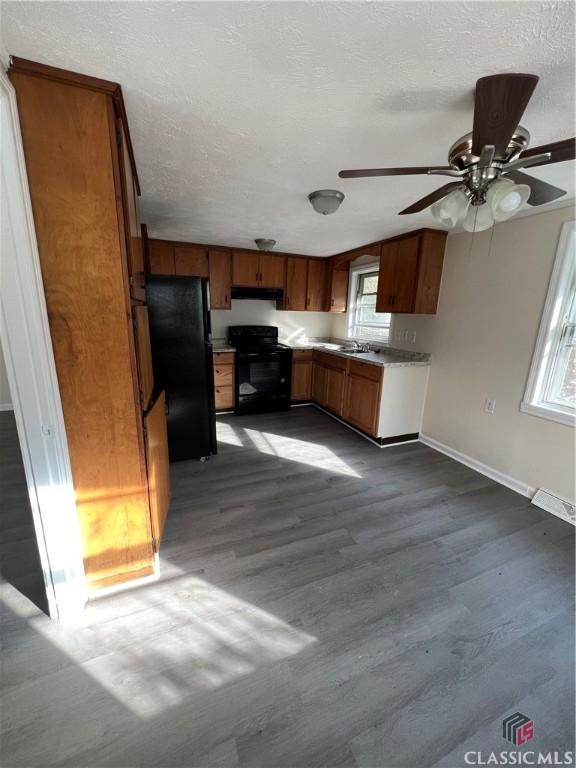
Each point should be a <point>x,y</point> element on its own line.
<point>541,193</point>
<point>498,108</point>
<point>560,151</point>
<point>424,202</point>
<point>359,173</point>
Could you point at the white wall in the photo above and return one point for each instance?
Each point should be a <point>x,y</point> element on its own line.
<point>290,324</point>
<point>482,340</point>
<point>5,398</point>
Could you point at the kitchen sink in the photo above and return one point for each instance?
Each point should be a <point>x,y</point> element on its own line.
<point>352,350</point>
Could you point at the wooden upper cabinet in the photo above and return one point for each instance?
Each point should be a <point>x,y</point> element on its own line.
<point>133,229</point>
<point>296,283</point>
<point>190,261</point>
<point>220,273</point>
<point>156,438</point>
<point>246,269</point>
<point>316,291</point>
<point>271,271</point>
<point>410,273</point>
<point>338,290</point>
<point>160,257</point>
<point>143,354</point>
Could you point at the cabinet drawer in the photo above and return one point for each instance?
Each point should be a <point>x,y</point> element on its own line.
<point>367,370</point>
<point>224,375</point>
<point>302,355</point>
<point>223,358</point>
<point>224,397</point>
<point>330,361</point>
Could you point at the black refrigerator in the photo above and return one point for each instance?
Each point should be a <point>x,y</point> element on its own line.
<point>179,313</point>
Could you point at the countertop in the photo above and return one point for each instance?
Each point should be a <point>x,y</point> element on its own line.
<point>388,358</point>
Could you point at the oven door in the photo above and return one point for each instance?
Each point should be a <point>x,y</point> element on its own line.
<point>263,381</point>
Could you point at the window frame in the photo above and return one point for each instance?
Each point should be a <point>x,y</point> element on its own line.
<point>356,274</point>
<point>558,300</point>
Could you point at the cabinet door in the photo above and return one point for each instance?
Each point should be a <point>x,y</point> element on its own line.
<point>143,354</point>
<point>190,261</point>
<point>397,275</point>
<point>220,266</point>
<point>301,380</point>
<point>245,268</point>
<point>160,257</point>
<point>271,271</point>
<point>335,380</point>
<point>316,293</point>
<point>362,403</point>
<point>296,279</point>
<point>131,220</point>
<point>339,290</point>
<point>430,262</point>
<point>158,466</point>
<point>319,384</point>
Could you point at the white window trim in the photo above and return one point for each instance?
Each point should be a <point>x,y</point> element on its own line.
<point>547,338</point>
<point>355,272</point>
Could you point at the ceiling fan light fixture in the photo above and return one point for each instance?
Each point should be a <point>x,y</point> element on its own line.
<point>478,218</point>
<point>326,201</point>
<point>506,198</point>
<point>451,209</point>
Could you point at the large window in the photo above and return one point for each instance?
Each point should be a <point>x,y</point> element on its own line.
<point>551,389</point>
<point>364,322</point>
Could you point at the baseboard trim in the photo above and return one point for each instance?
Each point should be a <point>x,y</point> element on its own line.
<point>6,407</point>
<point>484,469</point>
<point>379,442</point>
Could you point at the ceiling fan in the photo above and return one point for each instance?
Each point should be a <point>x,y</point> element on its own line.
<point>485,164</point>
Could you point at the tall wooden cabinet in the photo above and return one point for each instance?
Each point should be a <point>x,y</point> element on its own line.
<point>84,191</point>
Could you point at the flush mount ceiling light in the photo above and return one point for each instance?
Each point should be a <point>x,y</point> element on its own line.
<point>264,244</point>
<point>326,201</point>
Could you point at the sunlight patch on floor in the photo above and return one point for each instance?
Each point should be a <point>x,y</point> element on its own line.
<point>302,451</point>
<point>225,433</point>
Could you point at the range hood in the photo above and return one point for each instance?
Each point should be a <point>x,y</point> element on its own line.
<point>267,294</point>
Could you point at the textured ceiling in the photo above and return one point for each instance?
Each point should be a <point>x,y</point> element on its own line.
<point>239,110</point>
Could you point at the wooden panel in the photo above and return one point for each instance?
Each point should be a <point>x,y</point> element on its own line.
<point>133,228</point>
<point>316,291</point>
<point>302,355</point>
<point>143,354</point>
<point>223,358</point>
<point>161,257</point>
<point>220,267</point>
<point>339,290</point>
<point>318,383</point>
<point>368,370</point>
<point>69,137</point>
<point>430,265</point>
<point>224,375</point>
<point>296,281</point>
<point>332,361</point>
<point>335,380</point>
<point>245,268</point>
<point>301,380</point>
<point>397,275</point>
<point>224,397</point>
<point>272,270</point>
<point>191,261</point>
<point>362,403</point>
<point>158,466</point>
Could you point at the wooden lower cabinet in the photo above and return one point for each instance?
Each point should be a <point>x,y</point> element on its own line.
<point>335,382</point>
<point>158,465</point>
<point>224,380</point>
<point>301,389</point>
<point>362,402</point>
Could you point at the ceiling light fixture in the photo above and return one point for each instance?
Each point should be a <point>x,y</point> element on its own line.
<point>326,201</point>
<point>501,200</point>
<point>264,244</point>
<point>506,198</point>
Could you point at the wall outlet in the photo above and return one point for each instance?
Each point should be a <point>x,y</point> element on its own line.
<point>489,406</point>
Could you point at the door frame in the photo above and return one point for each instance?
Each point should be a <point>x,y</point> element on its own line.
<point>31,371</point>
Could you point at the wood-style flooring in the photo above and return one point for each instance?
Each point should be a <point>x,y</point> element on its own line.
<point>322,603</point>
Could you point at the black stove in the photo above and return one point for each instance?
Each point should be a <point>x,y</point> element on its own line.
<point>263,369</point>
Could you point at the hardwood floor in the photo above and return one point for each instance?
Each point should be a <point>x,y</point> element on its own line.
<point>322,603</point>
